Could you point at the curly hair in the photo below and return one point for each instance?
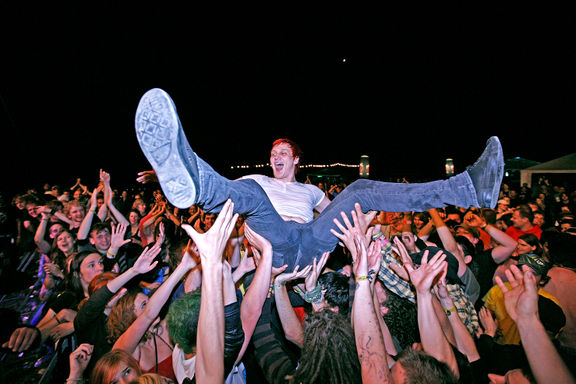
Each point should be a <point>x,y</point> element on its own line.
<point>182,320</point>
<point>329,353</point>
<point>121,316</point>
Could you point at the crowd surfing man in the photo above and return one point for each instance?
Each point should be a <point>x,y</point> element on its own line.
<point>282,209</point>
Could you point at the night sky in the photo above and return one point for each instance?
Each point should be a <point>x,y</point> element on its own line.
<point>408,86</point>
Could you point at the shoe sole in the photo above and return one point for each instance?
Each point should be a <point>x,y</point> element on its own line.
<point>157,129</point>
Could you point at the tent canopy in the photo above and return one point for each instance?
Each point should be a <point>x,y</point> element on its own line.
<point>564,164</point>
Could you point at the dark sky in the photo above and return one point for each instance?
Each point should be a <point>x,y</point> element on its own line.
<point>406,85</point>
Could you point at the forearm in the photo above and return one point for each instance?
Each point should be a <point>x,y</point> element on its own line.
<point>545,362</point>
<point>43,245</point>
<point>433,340</point>
<point>369,341</point>
<point>84,228</point>
<point>506,243</point>
<point>117,283</point>
<point>210,335</point>
<point>290,323</point>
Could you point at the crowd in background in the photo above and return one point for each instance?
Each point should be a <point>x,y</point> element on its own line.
<point>117,282</point>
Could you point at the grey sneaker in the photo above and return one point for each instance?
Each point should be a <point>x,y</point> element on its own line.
<point>487,173</point>
<point>159,134</point>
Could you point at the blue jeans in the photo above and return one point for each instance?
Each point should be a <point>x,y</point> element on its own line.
<point>298,244</point>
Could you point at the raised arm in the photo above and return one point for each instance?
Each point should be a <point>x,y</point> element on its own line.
<point>210,339</point>
<point>84,229</point>
<point>293,328</point>
<point>433,340</point>
<point>251,307</point>
<point>505,244</point>
<point>521,301</point>
<point>108,195</point>
<point>41,243</point>
<point>130,339</point>
<point>369,339</point>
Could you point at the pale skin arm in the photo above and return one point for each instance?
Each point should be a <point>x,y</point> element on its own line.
<point>210,335</point>
<point>84,228</point>
<point>108,195</point>
<point>433,340</point>
<point>448,241</point>
<point>505,243</point>
<point>323,204</point>
<point>292,326</point>
<point>251,307</point>
<point>369,339</point>
<point>130,339</point>
<point>521,301</point>
<point>464,340</point>
<point>41,243</point>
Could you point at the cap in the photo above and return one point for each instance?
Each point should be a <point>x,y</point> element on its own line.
<point>536,262</point>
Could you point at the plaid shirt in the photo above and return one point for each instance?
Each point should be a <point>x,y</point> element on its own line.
<point>404,288</point>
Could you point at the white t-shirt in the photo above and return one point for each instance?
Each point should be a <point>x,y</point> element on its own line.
<point>291,199</point>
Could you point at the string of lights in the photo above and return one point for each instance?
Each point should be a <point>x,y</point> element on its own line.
<point>246,166</point>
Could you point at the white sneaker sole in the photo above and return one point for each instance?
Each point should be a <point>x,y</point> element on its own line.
<point>157,127</point>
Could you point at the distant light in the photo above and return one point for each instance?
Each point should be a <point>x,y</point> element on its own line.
<point>344,60</point>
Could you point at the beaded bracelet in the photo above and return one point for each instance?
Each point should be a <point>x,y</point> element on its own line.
<point>314,295</point>
<point>361,278</point>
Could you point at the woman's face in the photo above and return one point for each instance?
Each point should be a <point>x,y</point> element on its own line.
<point>55,230</point>
<point>134,218</point>
<point>65,242</point>
<point>124,375</point>
<point>90,267</point>
<point>140,303</point>
<point>524,248</point>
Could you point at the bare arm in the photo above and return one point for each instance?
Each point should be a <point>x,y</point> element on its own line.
<point>521,301</point>
<point>292,326</point>
<point>367,333</point>
<point>433,340</point>
<point>323,204</point>
<point>210,335</point>
<point>108,195</point>
<point>506,243</point>
<point>86,224</point>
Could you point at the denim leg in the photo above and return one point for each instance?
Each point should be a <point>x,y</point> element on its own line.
<point>250,199</point>
<point>375,195</point>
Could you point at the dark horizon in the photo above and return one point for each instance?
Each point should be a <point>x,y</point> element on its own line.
<point>409,89</point>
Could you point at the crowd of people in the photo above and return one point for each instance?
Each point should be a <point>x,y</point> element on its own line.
<point>440,295</point>
<point>197,278</point>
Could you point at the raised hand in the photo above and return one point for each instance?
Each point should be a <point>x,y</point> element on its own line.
<point>146,177</point>
<point>79,359</point>
<point>283,278</point>
<point>117,237</point>
<point>211,244</point>
<point>316,271</point>
<point>145,262</point>
<point>423,277</point>
<point>521,300</point>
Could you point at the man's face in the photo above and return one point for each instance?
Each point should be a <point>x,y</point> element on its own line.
<point>538,219</point>
<point>101,239</point>
<point>33,210</point>
<point>76,214</point>
<point>283,162</point>
<point>518,220</point>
